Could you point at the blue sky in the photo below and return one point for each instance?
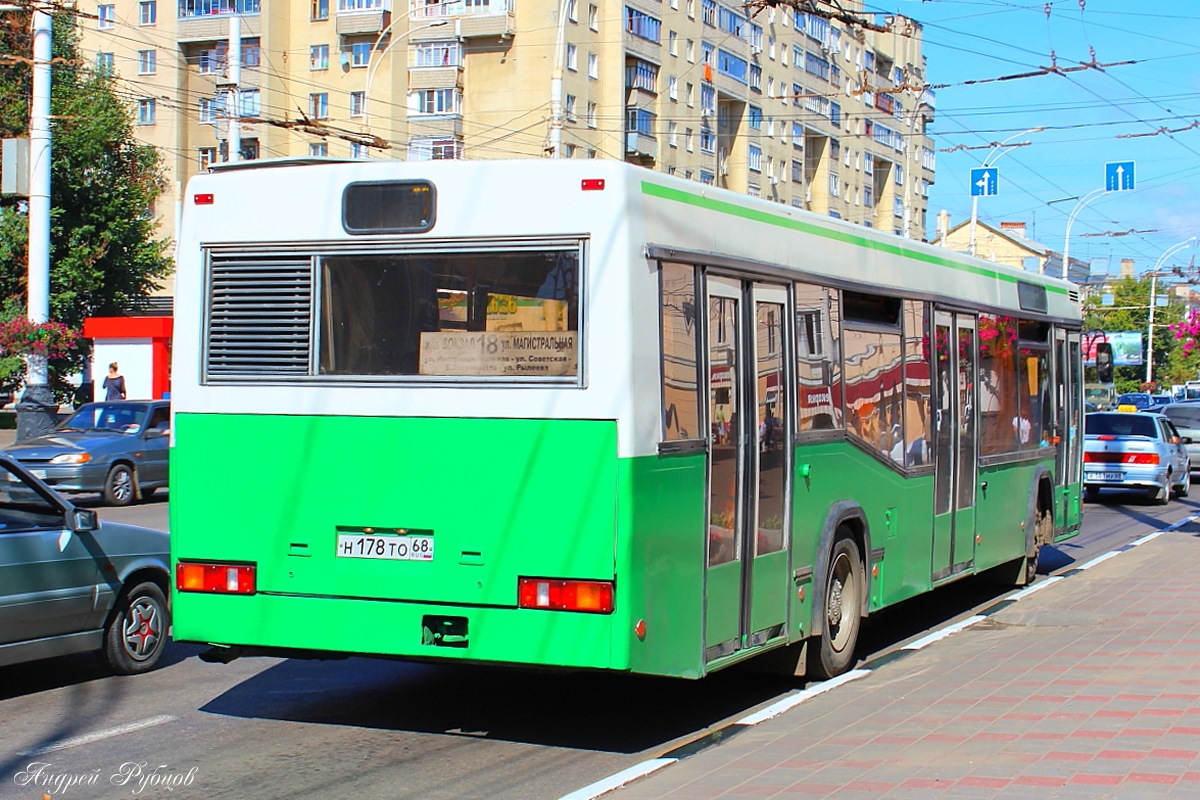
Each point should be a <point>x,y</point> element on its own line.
<point>1090,117</point>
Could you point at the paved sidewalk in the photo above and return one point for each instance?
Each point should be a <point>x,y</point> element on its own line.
<point>1086,687</point>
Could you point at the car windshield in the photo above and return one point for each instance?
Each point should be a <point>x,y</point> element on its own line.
<point>121,417</point>
<point>1183,415</point>
<point>1119,425</point>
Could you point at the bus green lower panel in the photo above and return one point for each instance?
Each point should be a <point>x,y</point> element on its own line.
<point>374,627</point>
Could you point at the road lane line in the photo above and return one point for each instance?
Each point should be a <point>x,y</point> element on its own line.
<point>88,738</point>
<point>949,630</point>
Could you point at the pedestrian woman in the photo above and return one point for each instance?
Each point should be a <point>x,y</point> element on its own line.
<point>114,384</point>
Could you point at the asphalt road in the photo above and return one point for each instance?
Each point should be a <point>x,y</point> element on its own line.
<point>364,728</point>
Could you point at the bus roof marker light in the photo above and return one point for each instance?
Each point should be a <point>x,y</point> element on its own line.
<point>205,199</point>
<point>592,185</point>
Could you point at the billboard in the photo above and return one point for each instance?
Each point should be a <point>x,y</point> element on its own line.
<point>1127,348</point>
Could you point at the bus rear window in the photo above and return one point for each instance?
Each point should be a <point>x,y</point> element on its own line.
<point>475,314</point>
<point>388,207</point>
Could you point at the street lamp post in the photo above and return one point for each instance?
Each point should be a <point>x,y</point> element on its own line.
<point>377,56</point>
<point>37,411</point>
<point>1170,251</point>
<point>908,178</point>
<point>994,155</point>
<point>1083,201</point>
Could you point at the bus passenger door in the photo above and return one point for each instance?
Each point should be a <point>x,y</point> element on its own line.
<point>954,444</point>
<point>745,591</point>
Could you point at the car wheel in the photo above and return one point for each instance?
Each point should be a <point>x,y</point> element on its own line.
<point>1160,495</point>
<point>1185,485</point>
<point>137,632</point>
<point>1091,493</point>
<point>118,486</point>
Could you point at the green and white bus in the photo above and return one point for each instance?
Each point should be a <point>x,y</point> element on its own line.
<point>579,414</point>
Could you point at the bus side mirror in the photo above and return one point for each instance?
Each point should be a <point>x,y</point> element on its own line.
<point>1104,362</point>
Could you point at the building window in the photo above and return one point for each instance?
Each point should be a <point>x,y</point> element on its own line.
<point>572,57</point>
<point>755,155</point>
<point>437,54</point>
<point>318,56</point>
<point>591,115</point>
<point>435,101</point>
<point>708,12</point>
<point>249,103</point>
<point>868,166</point>
<point>673,133</point>
<point>148,13</point>
<point>209,108</point>
<point>358,103</point>
<point>147,62</point>
<point>147,111</point>
<point>732,66</point>
<point>755,117</point>
<point>687,140</point>
<point>673,43</point>
<point>106,17</point>
<point>593,17</point>
<point>569,108</point>
<point>707,177</point>
<point>319,11</point>
<point>593,66</point>
<point>673,88</point>
<point>708,141</point>
<point>643,25</point>
<point>361,5</point>
<point>318,149</point>
<point>639,120</point>
<point>755,78</point>
<point>318,105</point>
<point>572,13</point>
<point>641,75</point>
<point>359,150</point>
<point>360,54</point>
<point>206,156</point>
<point>105,64</point>
<point>435,149</point>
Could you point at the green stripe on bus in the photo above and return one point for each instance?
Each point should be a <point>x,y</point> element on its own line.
<point>754,215</point>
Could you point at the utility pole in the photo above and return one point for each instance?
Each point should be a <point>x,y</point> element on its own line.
<point>233,94</point>
<point>37,412</point>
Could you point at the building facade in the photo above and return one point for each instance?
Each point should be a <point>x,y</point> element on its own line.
<point>794,107</point>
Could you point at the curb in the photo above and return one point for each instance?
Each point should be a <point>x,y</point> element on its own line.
<point>728,731</point>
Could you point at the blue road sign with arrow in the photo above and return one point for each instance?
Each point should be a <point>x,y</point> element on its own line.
<point>1118,176</point>
<point>985,182</point>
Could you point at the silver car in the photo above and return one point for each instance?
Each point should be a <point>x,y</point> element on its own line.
<point>1186,419</point>
<point>69,584</point>
<point>1131,450</point>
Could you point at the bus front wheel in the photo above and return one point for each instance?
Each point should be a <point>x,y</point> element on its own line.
<point>831,652</point>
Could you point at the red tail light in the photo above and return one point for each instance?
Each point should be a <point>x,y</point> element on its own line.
<point>595,597</point>
<point>215,578</point>
<point>1121,458</point>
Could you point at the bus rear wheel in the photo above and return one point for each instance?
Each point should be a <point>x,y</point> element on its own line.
<point>831,652</point>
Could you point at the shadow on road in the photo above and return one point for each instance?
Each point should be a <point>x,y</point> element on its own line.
<point>589,711</point>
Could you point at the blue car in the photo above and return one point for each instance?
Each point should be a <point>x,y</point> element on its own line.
<point>118,448</point>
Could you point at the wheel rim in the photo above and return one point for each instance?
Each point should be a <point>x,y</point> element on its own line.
<point>841,607</point>
<point>142,631</point>
<point>122,485</point>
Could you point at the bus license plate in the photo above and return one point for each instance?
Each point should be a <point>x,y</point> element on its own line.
<point>1105,476</point>
<point>391,548</point>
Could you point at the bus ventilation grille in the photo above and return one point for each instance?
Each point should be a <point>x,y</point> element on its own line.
<point>259,309</point>
<point>1073,295</point>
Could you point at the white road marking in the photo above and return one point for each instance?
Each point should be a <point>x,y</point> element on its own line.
<point>791,701</point>
<point>88,738</point>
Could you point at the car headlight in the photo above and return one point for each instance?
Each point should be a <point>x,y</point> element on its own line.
<point>72,458</point>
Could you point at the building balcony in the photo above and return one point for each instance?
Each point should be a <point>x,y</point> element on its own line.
<point>357,23</point>
<point>639,146</point>
<point>489,18</point>
<point>435,78</point>
<point>435,126</point>
<point>214,27</point>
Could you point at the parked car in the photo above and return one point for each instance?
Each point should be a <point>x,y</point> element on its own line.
<point>1132,450</point>
<point>1160,401</point>
<point>117,448</point>
<point>1186,419</point>
<point>71,584</point>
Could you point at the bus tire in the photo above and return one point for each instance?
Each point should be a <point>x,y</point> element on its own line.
<point>831,651</point>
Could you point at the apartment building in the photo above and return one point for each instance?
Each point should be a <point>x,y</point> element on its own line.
<point>762,99</point>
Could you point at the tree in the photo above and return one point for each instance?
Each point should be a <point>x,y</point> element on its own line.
<point>1130,311</point>
<point>104,256</point>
